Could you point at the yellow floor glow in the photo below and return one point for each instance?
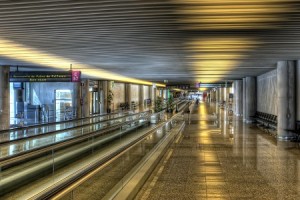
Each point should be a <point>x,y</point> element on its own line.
<point>220,157</point>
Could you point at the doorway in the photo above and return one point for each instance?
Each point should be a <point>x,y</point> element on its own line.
<point>63,105</point>
<point>94,102</point>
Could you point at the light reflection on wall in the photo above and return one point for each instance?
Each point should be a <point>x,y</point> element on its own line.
<point>15,51</point>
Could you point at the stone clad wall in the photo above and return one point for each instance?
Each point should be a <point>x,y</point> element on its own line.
<point>119,94</point>
<point>135,93</point>
<point>146,92</point>
<point>267,92</point>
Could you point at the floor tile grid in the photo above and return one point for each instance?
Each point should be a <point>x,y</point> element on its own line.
<point>207,165</point>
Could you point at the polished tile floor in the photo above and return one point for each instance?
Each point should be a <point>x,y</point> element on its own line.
<point>219,157</point>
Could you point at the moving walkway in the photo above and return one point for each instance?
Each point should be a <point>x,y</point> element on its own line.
<point>58,161</point>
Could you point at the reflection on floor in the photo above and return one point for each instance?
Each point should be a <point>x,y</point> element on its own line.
<point>219,157</point>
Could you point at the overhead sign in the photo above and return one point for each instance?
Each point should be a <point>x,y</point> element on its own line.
<point>45,76</point>
<point>182,86</point>
<point>76,76</point>
<point>214,85</point>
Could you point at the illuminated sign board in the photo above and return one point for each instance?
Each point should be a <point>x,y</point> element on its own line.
<point>76,76</point>
<point>214,85</point>
<point>182,86</point>
<point>45,76</point>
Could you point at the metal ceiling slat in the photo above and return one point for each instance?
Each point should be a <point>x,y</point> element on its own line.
<point>123,36</point>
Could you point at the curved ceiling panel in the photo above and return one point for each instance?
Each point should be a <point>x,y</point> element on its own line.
<point>182,41</point>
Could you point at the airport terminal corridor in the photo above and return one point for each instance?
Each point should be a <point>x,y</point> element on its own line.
<point>150,100</point>
<point>220,157</point>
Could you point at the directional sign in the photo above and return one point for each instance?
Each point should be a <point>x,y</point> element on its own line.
<point>45,76</point>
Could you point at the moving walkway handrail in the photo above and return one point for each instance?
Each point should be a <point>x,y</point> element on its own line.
<point>10,160</point>
<point>70,128</point>
<point>58,122</point>
<point>7,182</point>
<point>174,103</point>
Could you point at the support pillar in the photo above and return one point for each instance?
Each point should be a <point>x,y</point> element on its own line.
<point>151,93</point>
<point>101,98</point>
<point>99,90</point>
<point>250,98</point>
<point>286,99</point>
<point>226,94</point>
<point>110,105</point>
<point>298,90</point>
<point>128,93</point>
<point>141,97</point>
<point>105,94</point>
<point>238,97</point>
<point>78,89</point>
<point>222,90</point>
<point>154,95</point>
<point>85,109</point>
<point>244,99</point>
<point>213,96</point>
<point>4,98</point>
<point>218,95</point>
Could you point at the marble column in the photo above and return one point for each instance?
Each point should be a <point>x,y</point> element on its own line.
<point>4,98</point>
<point>226,91</point>
<point>99,90</point>
<point>154,95</point>
<point>77,93</point>
<point>101,97</point>
<point>286,99</point>
<point>298,90</point>
<point>151,93</point>
<point>111,104</point>
<point>141,97</point>
<point>221,93</point>
<point>105,93</point>
<point>128,93</point>
<point>226,94</point>
<point>217,95</point>
<point>85,99</point>
<point>214,96</point>
<point>244,99</point>
<point>238,97</point>
<point>250,98</point>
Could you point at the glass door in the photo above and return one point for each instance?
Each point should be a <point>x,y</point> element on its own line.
<point>63,105</point>
<point>94,102</point>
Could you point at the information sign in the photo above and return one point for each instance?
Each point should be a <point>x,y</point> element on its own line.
<point>45,76</point>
